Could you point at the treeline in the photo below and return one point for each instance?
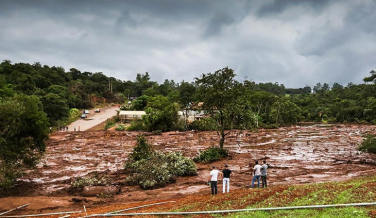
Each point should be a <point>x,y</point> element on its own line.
<point>58,91</point>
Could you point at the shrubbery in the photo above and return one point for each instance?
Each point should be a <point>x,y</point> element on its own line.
<point>8,175</point>
<point>151,169</point>
<point>137,125</point>
<point>97,180</point>
<point>211,154</point>
<point>120,128</point>
<point>205,124</point>
<point>109,123</point>
<point>368,144</point>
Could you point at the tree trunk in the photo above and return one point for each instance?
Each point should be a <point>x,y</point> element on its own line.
<point>223,135</point>
<point>222,139</point>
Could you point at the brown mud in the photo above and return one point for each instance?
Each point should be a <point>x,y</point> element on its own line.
<point>296,155</point>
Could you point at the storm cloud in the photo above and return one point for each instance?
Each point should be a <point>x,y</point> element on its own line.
<point>292,42</point>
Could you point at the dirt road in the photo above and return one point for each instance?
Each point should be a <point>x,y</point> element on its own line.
<point>93,119</point>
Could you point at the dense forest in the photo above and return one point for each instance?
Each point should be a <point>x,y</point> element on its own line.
<point>34,97</point>
<point>56,91</point>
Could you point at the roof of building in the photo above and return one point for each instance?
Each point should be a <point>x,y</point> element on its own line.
<point>132,113</point>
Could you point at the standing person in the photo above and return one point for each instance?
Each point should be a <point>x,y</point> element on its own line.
<point>213,180</point>
<point>256,174</point>
<point>74,128</point>
<point>226,179</point>
<point>264,174</point>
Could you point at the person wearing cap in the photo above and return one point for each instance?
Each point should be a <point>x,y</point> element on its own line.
<point>213,180</point>
<point>226,179</point>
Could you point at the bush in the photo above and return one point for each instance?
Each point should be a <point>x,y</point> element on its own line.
<point>157,132</point>
<point>211,154</point>
<point>137,125</point>
<point>180,125</point>
<point>151,169</point>
<point>180,165</point>
<point>109,123</point>
<point>369,144</point>
<point>120,128</point>
<point>205,124</point>
<point>150,173</point>
<point>143,150</point>
<point>8,175</point>
<point>80,183</point>
<point>160,169</point>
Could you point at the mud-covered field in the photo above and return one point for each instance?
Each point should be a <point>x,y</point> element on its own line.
<point>296,155</point>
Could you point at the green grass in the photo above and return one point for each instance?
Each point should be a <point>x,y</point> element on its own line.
<point>357,190</point>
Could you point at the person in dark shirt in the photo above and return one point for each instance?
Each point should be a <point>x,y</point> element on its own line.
<point>264,174</point>
<point>226,179</point>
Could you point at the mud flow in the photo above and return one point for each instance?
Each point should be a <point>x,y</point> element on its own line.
<point>297,154</point>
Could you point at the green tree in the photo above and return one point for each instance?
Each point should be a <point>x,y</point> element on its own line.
<point>371,78</point>
<point>6,90</point>
<point>56,107</point>
<point>140,103</point>
<point>260,103</point>
<point>23,130</point>
<point>219,91</point>
<point>285,112</point>
<point>161,114</point>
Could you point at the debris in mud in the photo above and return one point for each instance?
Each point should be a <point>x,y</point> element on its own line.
<point>77,200</point>
<point>95,191</point>
<point>294,154</point>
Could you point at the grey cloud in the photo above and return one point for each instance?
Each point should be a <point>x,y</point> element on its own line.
<point>183,39</point>
<point>217,22</point>
<point>362,17</point>
<point>278,6</point>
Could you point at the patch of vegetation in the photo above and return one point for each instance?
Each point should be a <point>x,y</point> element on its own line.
<point>8,175</point>
<point>109,123</point>
<point>211,154</point>
<point>205,124</point>
<point>369,144</point>
<point>120,128</point>
<point>96,180</point>
<point>143,150</point>
<point>137,125</point>
<point>157,132</point>
<point>74,114</point>
<point>151,169</point>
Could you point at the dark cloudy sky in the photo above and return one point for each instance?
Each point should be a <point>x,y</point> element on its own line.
<point>292,42</point>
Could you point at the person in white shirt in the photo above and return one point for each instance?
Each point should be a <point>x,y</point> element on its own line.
<point>213,180</point>
<point>256,174</point>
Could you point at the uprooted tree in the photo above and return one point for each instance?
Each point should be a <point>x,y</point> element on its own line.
<point>151,169</point>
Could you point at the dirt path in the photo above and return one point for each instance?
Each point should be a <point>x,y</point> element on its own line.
<point>298,154</point>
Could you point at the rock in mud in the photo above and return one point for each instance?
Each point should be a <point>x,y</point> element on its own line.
<point>93,191</point>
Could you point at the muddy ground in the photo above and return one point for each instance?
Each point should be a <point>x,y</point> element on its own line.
<point>296,155</point>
